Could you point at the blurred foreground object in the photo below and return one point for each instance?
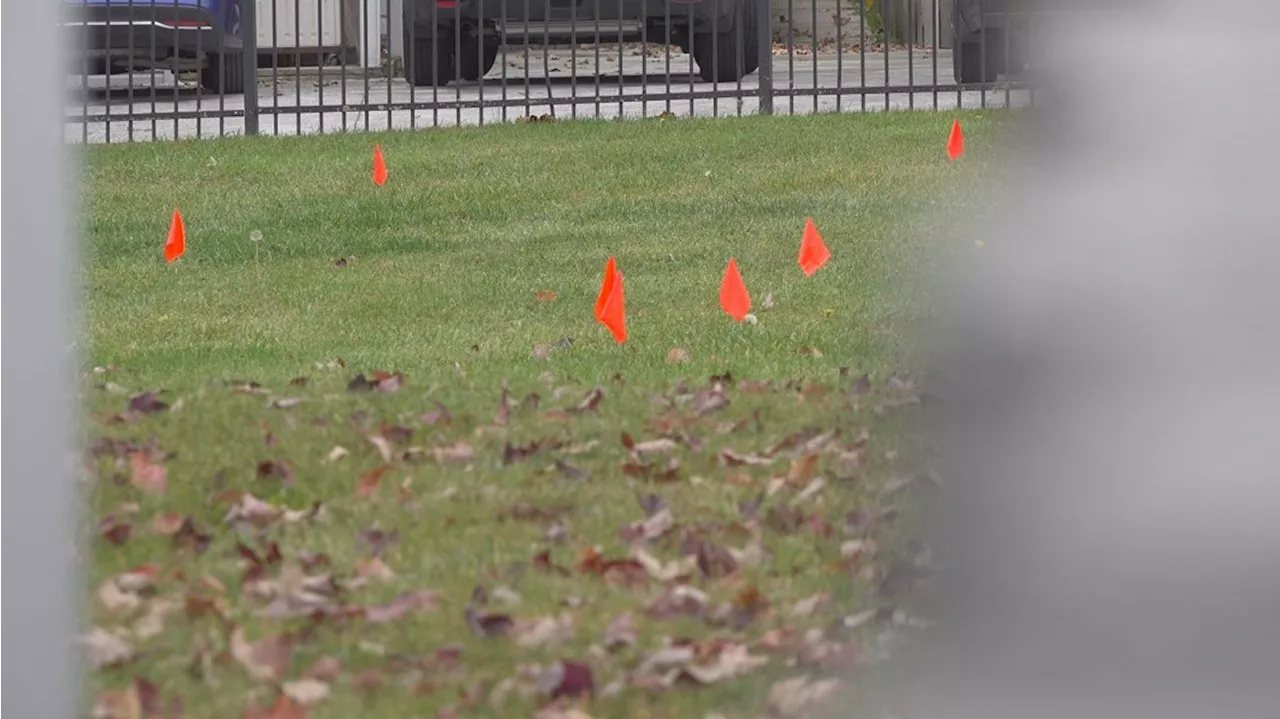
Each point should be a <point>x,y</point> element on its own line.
<point>40,595</point>
<point>1110,545</point>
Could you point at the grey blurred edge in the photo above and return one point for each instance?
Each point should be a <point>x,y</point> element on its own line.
<point>40,592</point>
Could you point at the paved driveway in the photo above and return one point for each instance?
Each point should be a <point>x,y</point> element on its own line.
<point>541,81</point>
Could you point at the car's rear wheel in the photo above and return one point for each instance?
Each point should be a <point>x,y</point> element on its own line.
<point>973,65</point>
<point>431,62</point>
<point>732,53</point>
<point>479,53</point>
<point>223,73</point>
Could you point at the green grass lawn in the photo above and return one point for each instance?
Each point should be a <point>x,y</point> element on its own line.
<point>444,561</point>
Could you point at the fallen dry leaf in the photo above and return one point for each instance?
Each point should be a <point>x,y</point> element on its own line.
<point>280,469</point>
<point>401,605</point>
<point>326,669</point>
<point>488,624</point>
<point>678,355</point>
<point>545,296</point>
<point>148,476</point>
<point>286,402</point>
<point>368,482</point>
<point>337,453</point>
<point>167,523</point>
<point>591,401</point>
<point>567,679</point>
<point>106,648</point>
<point>543,631</point>
<point>460,453</point>
<point>792,697</point>
<point>146,403</point>
<point>283,707</point>
<point>306,691</point>
<point>265,659</point>
<point>620,632</point>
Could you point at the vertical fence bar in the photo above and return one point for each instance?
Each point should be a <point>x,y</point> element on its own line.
<point>692,35</point>
<point>528,101</point>
<point>297,68</point>
<point>249,63</point>
<point>791,57</point>
<point>107,76</point>
<point>364,71</point>
<point>884,47</point>
<point>667,69</point>
<point>177,80</point>
<point>546,60</point>
<point>275,67</point>
<point>813,36</point>
<point>320,56</point>
<point>222,86</point>
<point>740,55</point>
<point>457,65</point>
<point>644,58</point>
<point>764,47</point>
<point>911,55</point>
<point>982,52</point>
<point>935,18</point>
<point>200,76</point>
<point>502,56</point>
<point>595,48</point>
<point>573,61</point>
<point>1008,67</point>
<point>389,70</point>
<point>435,66</point>
<point>129,32</point>
<point>839,55</point>
<point>480,57</point>
<point>862,53</point>
<point>622,91</point>
<point>85,59</point>
<point>342,76</point>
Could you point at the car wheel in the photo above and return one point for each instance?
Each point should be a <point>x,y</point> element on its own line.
<point>729,55</point>
<point>223,73</point>
<point>431,62</point>
<point>969,60</point>
<point>479,53</point>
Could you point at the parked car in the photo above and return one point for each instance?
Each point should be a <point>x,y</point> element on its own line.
<point>992,38</point>
<point>176,35</point>
<point>448,40</point>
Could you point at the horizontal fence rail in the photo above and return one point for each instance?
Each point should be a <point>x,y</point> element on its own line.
<point>164,69</point>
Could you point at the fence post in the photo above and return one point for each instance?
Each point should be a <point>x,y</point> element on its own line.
<point>764,49</point>
<point>249,63</point>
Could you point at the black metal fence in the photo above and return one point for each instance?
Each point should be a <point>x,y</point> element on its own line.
<point>149,69</point>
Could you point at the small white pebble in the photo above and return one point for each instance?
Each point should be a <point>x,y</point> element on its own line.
<point>751,320</point>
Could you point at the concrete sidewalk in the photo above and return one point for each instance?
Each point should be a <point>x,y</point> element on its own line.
<point>559,81</point>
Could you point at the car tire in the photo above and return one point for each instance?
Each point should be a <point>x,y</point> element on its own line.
<point>968,59</point>
<point>431,62</point>
<point>223,73</point>
<point>479,53</point>
<point>731,54</point>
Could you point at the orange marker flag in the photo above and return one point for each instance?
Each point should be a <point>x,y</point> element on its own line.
<point>955,143</point>
<point>733,293</point>
<point>379,166</point>
<point>177,242</point>
<point>606,286</point>
<point>813,251</point>
<point>614,313</point>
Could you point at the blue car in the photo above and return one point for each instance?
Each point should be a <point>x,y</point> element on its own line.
<point>175,35</point>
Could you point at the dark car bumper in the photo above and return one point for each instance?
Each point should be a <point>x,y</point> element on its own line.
<point>144,33</point>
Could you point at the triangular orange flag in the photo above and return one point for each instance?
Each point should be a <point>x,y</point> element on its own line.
<point>379,166</point>
<point>177,242</point>
<point>955,143</point>
<point>614,313</point>
<point>813,251</point>
<point>606,285</point>
<point>733,293</point>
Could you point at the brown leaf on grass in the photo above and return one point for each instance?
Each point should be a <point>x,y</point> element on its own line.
<point>623,572</point>
<point>118,704</point>
<point>373,569</point>
<point>620,632</point>
<point>813,352</point>
<point>545,296</point>
<point>803,469</point>
<point>378,540</point>
<point>283,707</point>
<point>503,415</point>
<point>654,446</point>
<point>190,537</point>
<point>254,511</point>
<point>379,381</point>
<point>147,402</point>
<point>306,691</point>
<point>148,476</point>
<point>678,600</point>
<point>678,355</point>
<point>106,648</point>
<point>286,402</point>
<point>795,697</point>
<point>715,561</point>
<point>368,482</point>
<point>812,604</point>
<point>115,527</point>
<point>725,661</point>
<point>280,469</point>
<point>326,668</point>
<point>733,459</point>
<point>567,679</point>
<point>402,604</point>
<point>710,399</point>
<point>439,414</point>
<point>679,570</point>
<point>591,402</point>
<point>649,529</point>
<point>518,453</point>
<point>457,453</point>
<point>543,631</point>
<point>529,512</point>
<point>542,562</point>
<point>569,471</point>
<point>368,680</point>
<point>488,624</point>
<point>266,659</point>
<point>167,523</point>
